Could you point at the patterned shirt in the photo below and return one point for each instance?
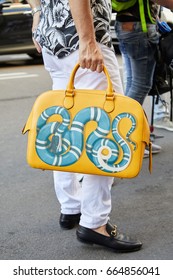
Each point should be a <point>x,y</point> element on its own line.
<point>57,33</point>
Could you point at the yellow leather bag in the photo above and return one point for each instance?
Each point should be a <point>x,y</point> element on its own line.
<point>87,131</point>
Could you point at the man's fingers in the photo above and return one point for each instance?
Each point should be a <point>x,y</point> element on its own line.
<point>99,68</point>
<point>92,65</point>
<point>37,45</point>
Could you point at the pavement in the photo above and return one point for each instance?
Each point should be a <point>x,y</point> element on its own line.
<point>29,210</point>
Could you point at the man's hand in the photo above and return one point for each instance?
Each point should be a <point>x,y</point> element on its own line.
<point>90,56</point>
<point>36,19</point>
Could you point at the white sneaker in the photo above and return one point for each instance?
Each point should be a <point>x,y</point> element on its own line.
<point>164,123</point>
<point>155,150</point>
<point>146,153</point>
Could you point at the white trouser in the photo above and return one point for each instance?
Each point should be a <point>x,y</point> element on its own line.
<point>93,199</point>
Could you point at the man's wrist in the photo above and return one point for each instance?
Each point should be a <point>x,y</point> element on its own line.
<point>35,10</point>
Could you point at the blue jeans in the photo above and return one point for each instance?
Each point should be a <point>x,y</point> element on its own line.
<point>138,52</point>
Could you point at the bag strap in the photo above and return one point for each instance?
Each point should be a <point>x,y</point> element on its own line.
<point>142,14</point>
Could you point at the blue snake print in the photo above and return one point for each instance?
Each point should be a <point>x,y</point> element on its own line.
<point>58,145</point>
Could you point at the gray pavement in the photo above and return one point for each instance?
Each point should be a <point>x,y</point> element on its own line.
<point>29,211</point>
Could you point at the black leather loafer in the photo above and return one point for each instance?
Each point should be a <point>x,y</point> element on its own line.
<point>69,221</point>
<point>119,242</point>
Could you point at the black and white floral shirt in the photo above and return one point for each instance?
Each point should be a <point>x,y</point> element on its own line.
<point>56,31</point>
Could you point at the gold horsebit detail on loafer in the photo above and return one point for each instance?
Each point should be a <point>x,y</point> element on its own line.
<point>114,231</point>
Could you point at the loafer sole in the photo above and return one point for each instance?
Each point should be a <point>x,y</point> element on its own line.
<point>86,242</point>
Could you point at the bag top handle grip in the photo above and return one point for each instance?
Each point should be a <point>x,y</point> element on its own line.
<point>109,93</point>
<point>70,85</point>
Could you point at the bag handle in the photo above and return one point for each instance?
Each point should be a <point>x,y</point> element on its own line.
<point>70,92</point>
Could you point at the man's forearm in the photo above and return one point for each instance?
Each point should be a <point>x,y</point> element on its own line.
<point>165,3</point>
<point>36,9</point>
<point>33,3</point>
<point>82,16</point>
<point>90,55</point>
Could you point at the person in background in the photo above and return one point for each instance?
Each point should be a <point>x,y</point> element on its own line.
<point>67,32</point>
<point>162,114</point>
<point>138,51</point>
<point>162,105</point>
